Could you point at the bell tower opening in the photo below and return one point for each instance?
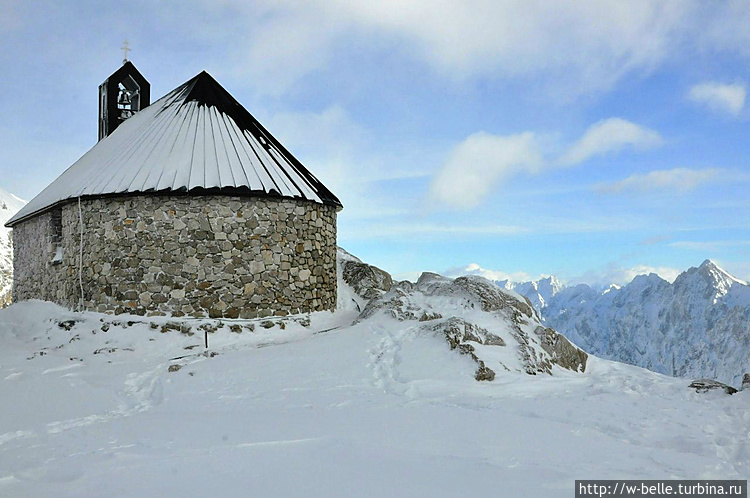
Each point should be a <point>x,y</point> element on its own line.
<point>121,95</point>
<point>128,98</point>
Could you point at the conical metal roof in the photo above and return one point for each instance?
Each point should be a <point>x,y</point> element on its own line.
<point>195,139</point>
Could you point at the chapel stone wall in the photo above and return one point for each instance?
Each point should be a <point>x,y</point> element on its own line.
<point>185,255</point>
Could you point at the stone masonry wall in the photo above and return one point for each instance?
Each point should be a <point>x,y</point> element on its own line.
<point>35,275</point>
<point>217,256</point>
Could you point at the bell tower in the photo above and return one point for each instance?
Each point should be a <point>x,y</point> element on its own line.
<point>121,95</point>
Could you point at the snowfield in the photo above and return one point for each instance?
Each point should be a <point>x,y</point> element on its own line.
<point>315,406</point>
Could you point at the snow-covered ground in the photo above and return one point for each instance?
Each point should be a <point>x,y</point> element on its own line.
<point>318,411</point>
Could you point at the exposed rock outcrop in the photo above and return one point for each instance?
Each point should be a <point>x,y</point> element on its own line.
<point>563,352</point>
<point>705,385</point>
<point>369,282</point>
<point>459,333</point>
<point>498,329</point>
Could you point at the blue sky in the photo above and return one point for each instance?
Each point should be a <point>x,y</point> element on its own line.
<point>590,140</point>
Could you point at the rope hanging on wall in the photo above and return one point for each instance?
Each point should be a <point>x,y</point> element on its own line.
<point>80,255</point>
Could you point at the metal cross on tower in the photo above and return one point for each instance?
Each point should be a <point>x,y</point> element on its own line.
<point>125,48</point>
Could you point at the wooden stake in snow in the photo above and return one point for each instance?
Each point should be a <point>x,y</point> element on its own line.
<point>205,332</point>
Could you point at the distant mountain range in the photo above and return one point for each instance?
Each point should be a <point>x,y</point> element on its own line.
<point>9,205</point>
<point>697,326</point>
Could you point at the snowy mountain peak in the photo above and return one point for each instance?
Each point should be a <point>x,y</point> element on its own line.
<point>9,205</point>
<point>549,285</point>
<point>695,326</point>
<point>611,288</point>
<point>717,274</point>
<point>646,280</point>
<point>713,283</point>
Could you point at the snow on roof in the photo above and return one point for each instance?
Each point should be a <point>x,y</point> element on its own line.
<point>194,138</point>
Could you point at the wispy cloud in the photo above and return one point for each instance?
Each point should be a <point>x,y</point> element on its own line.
<point>399,230</point>
<point>622,222</point>
<point>610,135</point>
<point>328,141</point>
<point>343,154</point>
<point>709,246</point>
<point>656,239</point>
<point>10,20</point>
<point>481,37</point>
<point>721,97</point>
<point>478,163</point>
<point>677,179</point>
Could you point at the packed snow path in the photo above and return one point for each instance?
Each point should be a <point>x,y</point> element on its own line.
<point>357,411</point>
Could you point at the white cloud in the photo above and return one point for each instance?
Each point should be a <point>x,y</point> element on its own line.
<point>719,97</point>
<point>620,275</point>
<point>571,47</point>
<point>610,135</point>
<point>477,37</point>
<point>497,275</point>
<point>285,45</point>
<point>602,277</point>
<point>581,46</point>
<point>482,161</point>
<point>680,179</point>
<point>478,163</point>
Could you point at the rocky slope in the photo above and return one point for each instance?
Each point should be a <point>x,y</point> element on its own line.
<point>698,326</point>
<point>498,329</point>
<point>9,205</point>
